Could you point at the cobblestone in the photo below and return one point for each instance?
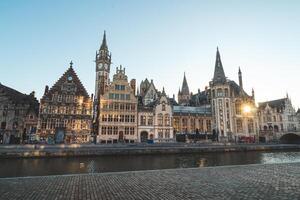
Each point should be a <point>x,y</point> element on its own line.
<point>273,181</point>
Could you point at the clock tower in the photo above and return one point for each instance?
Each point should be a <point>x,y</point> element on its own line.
<point>103,62</point>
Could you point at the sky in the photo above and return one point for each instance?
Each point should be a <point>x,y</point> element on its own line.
<point>157,39</point>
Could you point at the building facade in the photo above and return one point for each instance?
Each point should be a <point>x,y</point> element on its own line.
<point>155,114</point>
<point>233,110</point>
<point>65,111</point>
<point>18,116</point>
<point>118,111</point>
<point>277,117</point>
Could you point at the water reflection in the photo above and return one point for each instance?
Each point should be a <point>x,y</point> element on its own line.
<point>54,166</point>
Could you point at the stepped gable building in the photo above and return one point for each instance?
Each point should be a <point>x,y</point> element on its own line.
<point>233,110</point>
<point>155,114</point>
<point>65,111</point>
<point>277,116</point>
<point>103,63</point>
<point>118,111</point>
<point>18,115</point>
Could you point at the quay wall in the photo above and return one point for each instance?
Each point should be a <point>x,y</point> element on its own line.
<point>23,151</point>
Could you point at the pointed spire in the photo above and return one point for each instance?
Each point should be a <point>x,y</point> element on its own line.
<point>240,78</point>
<point>185,87</point>
<point>163,91</point>
<point>71,64</point>
<point>219,75</point>
<point>104,44</point>
<point>253,94</point>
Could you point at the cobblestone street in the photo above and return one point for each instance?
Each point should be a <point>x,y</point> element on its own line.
<point>273,181</point>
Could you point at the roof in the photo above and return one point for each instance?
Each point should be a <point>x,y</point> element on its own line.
<point>185,88</point>
<point>80,90</point>
<point>278,103</point>
<point>199,99</point>
<point>202,110</point>
<point>219,75</point>
<point>19,98</point>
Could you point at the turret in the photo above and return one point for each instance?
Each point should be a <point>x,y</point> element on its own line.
<point>240,79</point>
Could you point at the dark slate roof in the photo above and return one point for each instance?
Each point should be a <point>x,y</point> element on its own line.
<point>80,90</point>
<point>202,110</point>
<point>19,98</point>
<point>199,99</point>
<point>219,75</point>
<point>238,91</point>
<point>185,88</point>
<point>278,103</point>
<point>104,43</point>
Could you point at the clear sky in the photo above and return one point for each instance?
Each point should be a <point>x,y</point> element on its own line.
<point>158,39</point>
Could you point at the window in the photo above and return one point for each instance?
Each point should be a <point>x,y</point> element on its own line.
<point>127,96</point>
<point>5,111</point>
<point>110,118</point>
<point>119,87</point>
<point>143,120</point>
<point>104,118</point>
<point>167,133</point>
<point>116,118</point>
<point>239,125</point>
<point>163,107</point>
<point>160,119</point>
<point>250,126</point>
<point>160,133</point>
<point>126,130</point>
<point>122,118</point>
<point>103,130</point>
<point>226,92</point>
<point>126,118</point>
<point>219,92</point>
<point>3,125</point>
<point>115,130</point>
<point>150,120</point>
<point>131,130</point>
<point>167,120</point>
<point>109,130</point>
<point>132,118</point>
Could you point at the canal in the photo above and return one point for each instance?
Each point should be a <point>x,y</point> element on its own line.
<point>18,167</point>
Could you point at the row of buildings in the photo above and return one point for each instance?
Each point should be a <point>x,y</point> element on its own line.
<point>122,111</point>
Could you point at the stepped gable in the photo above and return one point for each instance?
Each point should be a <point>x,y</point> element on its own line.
<point>57,87</point>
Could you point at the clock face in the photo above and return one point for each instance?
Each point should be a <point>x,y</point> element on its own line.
<point>70,78</point>
<point>105,66</point>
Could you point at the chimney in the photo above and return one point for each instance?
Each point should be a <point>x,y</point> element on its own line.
<point>133,85</point>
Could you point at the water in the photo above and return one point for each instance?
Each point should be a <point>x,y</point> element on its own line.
<point>16,167</point>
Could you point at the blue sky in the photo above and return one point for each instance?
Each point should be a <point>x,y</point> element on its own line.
<point>159,39</point>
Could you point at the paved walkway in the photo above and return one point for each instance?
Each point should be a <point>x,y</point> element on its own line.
<point>273,181</point>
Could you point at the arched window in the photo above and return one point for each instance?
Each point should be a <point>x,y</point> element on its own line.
<point>3,125</point>
<point>167,120</point>
<point>160,119</point>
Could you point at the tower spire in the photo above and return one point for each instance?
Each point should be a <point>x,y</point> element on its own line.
<point>104,43</point>
<point>185,87</point>
<point>240,78</point>
<point>219,75</point>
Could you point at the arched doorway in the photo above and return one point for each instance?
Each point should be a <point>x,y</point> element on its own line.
<point>144,136</point>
